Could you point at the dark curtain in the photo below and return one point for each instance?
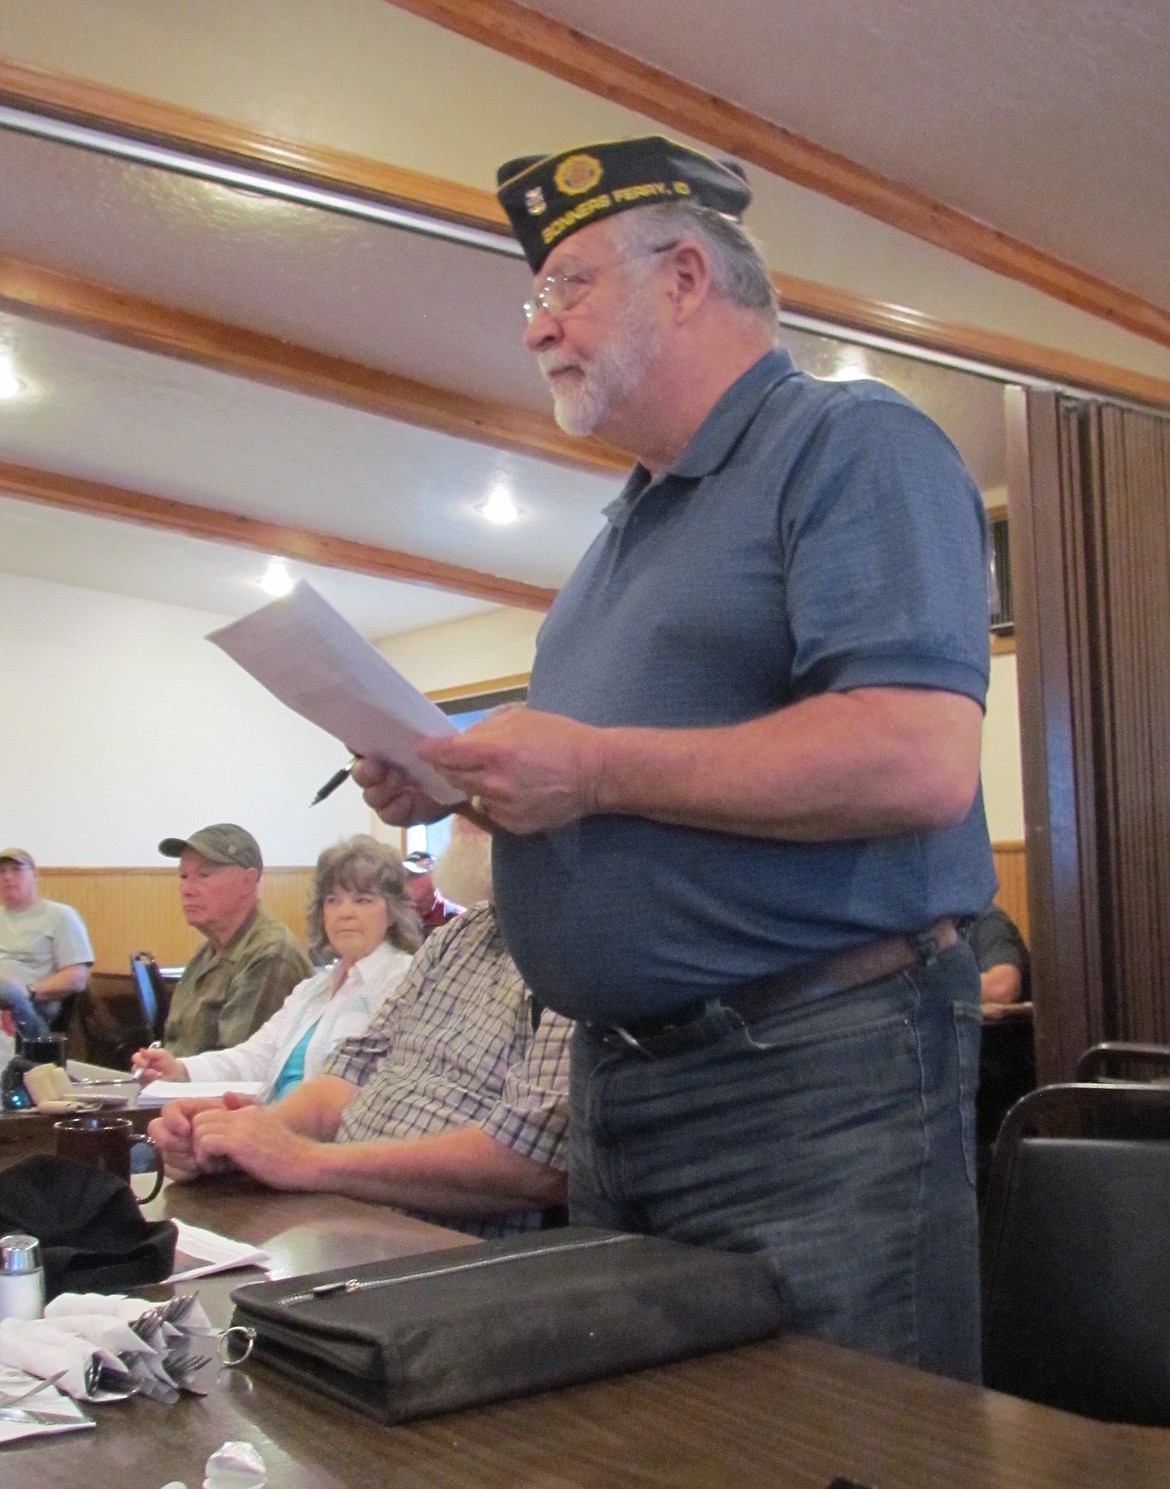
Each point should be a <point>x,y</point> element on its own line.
<point>1089,514</point>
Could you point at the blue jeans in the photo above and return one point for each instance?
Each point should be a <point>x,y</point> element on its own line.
<point>25,1014</point>
<point>838,1136</point>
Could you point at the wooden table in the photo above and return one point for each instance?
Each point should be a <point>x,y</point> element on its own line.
<point>793,1413</point>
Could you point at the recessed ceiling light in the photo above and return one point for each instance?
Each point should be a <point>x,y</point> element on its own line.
<point>277,580</point>
<point>499,507</point>
<point>10,385</point>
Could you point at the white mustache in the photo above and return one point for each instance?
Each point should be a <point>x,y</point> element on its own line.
<point>549,367</point>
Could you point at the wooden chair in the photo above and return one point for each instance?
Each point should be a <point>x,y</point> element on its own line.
<point>1076,1283</point>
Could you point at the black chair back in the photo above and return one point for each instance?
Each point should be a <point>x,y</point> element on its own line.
<point>152,993</point>
<point>1076,1285</point>
<point>1120,1061</point>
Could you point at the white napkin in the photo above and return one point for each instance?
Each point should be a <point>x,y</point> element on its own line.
<point>237,1465</point>
<point>153,1341</point>
<point>42,1348</point>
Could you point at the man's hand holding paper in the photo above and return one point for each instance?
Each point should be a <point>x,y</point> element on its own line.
<point>316,663</point>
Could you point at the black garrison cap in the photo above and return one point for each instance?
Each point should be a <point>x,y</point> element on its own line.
<point>547,197</point>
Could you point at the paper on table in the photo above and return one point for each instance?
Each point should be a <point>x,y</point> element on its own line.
<point>159,1092</point>
<point>199,1253</point>
<point>316,663</point>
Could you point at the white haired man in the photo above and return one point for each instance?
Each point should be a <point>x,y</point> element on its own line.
<point>740,816</point>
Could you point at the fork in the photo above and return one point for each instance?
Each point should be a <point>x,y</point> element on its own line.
<point>7,1399</point>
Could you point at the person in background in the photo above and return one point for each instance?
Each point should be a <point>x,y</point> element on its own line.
<point>1005,971</point>
<point>45,953</point>
<point>363,930</point>
<point>433,909</point>
<point>740,815</point>
<point>248,963</point>
<point>1007,1051</point>
<point>453,1105</point>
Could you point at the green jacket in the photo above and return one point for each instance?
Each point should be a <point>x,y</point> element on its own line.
<point>224,996</point>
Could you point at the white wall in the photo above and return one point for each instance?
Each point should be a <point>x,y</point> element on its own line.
<point>123,725</point>
<point>481,649</point>
<point>1003,793</point>
<point>129,694</point>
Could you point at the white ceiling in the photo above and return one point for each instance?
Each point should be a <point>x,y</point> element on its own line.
<point>1010,112</point>
<point>1048,119</point>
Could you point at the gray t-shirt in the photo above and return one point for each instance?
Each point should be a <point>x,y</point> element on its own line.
<point>40,940</point>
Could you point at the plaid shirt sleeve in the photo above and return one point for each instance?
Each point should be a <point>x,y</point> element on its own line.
<point>532,1117</point>
<point>357,1058</point>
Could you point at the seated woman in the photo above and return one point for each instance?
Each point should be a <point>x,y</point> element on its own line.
<point>362,922</point>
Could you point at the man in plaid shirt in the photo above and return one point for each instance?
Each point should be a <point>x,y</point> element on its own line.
<point>450,1105</point>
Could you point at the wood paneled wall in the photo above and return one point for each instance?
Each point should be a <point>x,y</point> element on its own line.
<point>1012,868</point>
<point>129,910</point>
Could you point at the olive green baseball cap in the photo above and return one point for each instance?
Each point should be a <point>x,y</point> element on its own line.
<point>222,842</point>
<point>17,855</point>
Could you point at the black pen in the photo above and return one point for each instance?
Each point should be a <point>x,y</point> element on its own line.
<point>334,781</point>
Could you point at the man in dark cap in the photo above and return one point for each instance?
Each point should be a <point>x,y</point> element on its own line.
<point>248,964</point>
<point>740,815</point>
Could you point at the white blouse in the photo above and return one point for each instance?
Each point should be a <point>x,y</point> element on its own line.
<point>338,1015</point>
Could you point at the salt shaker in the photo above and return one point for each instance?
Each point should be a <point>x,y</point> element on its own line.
<point>22,1278</point>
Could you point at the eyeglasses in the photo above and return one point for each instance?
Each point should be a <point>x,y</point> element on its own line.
<point>560,292</point>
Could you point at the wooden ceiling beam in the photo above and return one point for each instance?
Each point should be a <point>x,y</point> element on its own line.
<point>73,494</point>
<point>122,318</point>
<point>130,321</point>
<point>570,55</point>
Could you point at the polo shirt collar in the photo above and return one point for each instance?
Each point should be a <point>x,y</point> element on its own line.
<point>718,433</point>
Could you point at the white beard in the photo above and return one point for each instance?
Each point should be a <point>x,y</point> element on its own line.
<point>587,396</point>
<point>464,872</point>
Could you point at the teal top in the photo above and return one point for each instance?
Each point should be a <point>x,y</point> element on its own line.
<point>292,1072</point>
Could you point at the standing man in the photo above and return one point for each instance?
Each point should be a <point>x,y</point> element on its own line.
<point>249,962</point>
<point>44,948</point>
<point>740,815</point>
<point>433,909</point>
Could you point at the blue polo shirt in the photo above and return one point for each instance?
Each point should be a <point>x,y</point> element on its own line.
<point>814,537</point>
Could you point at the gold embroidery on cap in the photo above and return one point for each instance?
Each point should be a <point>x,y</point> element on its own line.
<point>578,214</point>
<point>577,173</point>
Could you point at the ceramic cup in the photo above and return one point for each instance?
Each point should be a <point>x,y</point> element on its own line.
<point>109,1142</point>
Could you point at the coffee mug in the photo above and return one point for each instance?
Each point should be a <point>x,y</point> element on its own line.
<point>48,1050</point>
<point>108,1142</point>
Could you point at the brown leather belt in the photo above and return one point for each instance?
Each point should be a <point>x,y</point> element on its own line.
<point>699,1024</point>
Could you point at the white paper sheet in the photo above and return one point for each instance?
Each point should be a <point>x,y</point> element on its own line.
<point>158,1092</point>
<point>317,664</point>
<point>199,1253</point>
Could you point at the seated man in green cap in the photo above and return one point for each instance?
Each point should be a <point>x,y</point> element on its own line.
<point>249,962</point>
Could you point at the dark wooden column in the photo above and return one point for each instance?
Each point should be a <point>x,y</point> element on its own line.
<point>1089,517</point>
